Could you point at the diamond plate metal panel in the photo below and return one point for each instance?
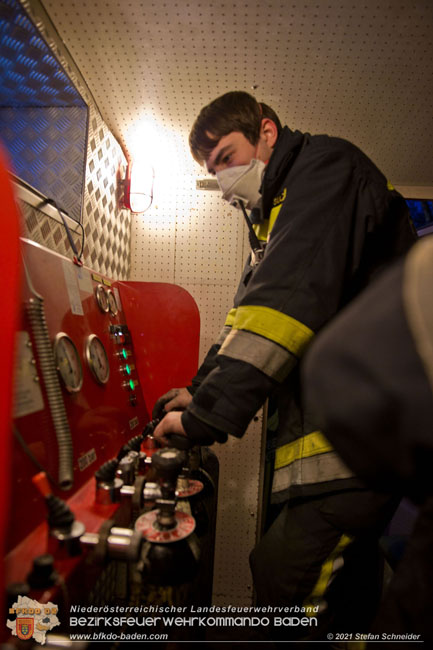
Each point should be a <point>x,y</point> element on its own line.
<point>29,74</point>
<point>106,225</point>
<point>47,231</point>
<point>47,146</point>
<point>43,119</point>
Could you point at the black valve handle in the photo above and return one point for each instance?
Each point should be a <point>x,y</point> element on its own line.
<point>179,442</point>
<point>168,462</point>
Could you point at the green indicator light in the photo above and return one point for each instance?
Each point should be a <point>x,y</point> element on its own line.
<point>124,354</point>
<point>131,384</point>
<point>128,369</point>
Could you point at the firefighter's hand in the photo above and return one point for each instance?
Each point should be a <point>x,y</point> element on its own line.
<point>177,399</point>
<point>171,425</point>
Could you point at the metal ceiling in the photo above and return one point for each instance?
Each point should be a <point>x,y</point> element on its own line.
<point>359,69</point>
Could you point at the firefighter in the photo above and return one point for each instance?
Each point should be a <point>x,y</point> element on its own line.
<point>325,222</point>
<point>378,411</point>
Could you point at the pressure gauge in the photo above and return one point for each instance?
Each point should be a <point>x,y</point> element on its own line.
<point>68,362</point>
<point>112,304</point>
<point>97,359</point>
<point>102,298</point>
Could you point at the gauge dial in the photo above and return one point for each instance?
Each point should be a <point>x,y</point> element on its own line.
<point>112,304</point>
<point>97,359</point>
<point>68,362</point>
<point>102,298</point>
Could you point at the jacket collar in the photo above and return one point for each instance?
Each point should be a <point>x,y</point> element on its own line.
<point>288,146</point>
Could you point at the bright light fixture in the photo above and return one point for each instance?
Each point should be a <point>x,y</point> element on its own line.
<point>138,187</point>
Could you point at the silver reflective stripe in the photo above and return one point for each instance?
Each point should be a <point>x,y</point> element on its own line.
<point>314,469</point>
<point>223,334</point>
<point>418,300</point>
<point>267,356</point>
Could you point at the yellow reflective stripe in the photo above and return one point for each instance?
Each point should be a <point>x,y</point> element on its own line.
<point>390,186</point>
<point>310,445</point>
<point>288,332</point>
<point>280,198</point>
<point>326,573</point>
<point>230,319</point>
<point>261,230</point>
<point>273,217</point>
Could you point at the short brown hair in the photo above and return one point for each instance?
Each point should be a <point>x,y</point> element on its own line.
<point>234,111</point>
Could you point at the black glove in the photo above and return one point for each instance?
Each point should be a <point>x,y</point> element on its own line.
<point>158,410</point>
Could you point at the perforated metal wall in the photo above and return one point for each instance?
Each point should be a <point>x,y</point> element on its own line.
<point>361,70</point>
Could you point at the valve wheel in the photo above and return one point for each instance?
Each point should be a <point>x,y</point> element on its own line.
<point>193,487</point>
<point>146,524</point>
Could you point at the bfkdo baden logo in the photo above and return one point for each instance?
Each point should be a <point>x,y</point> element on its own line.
<point>33,619</point>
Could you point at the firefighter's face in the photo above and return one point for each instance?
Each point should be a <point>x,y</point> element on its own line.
<point>235,149</point>
<point>232,150</point>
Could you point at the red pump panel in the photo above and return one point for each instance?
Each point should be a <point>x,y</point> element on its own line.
<point>101,417</point>
<point>10,271</point>
<point>165,325</point>
<point>151,345</point>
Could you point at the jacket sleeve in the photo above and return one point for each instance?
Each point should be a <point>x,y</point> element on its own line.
<point>208,364</point>
<point>332,200</point>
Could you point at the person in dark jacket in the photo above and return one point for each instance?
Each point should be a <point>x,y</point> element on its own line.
<point>368,378</point>
<point>326,221</point>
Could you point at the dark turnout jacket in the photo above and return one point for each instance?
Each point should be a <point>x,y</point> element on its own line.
<point>331,222</point>
<point>378,412</point>
<point>378,408</point>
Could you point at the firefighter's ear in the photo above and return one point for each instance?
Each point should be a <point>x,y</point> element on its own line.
<point>269,132</point>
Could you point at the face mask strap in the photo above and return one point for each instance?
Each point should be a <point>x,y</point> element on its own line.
<point>255,244</point>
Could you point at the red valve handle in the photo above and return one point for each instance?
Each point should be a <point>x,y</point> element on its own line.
<point>43,485</point>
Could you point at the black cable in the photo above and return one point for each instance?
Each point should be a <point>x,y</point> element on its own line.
<point>29,453</point>
<point>68,232</point>
<point>255,244</point>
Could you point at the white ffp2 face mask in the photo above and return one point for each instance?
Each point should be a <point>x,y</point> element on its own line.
<point>242,183</point>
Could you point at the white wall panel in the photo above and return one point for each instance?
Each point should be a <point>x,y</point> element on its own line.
<point>153,238</point>
<point>237,516</point>
<point>214,302</point>
<point>209,242</point>
<point>360,70</point>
